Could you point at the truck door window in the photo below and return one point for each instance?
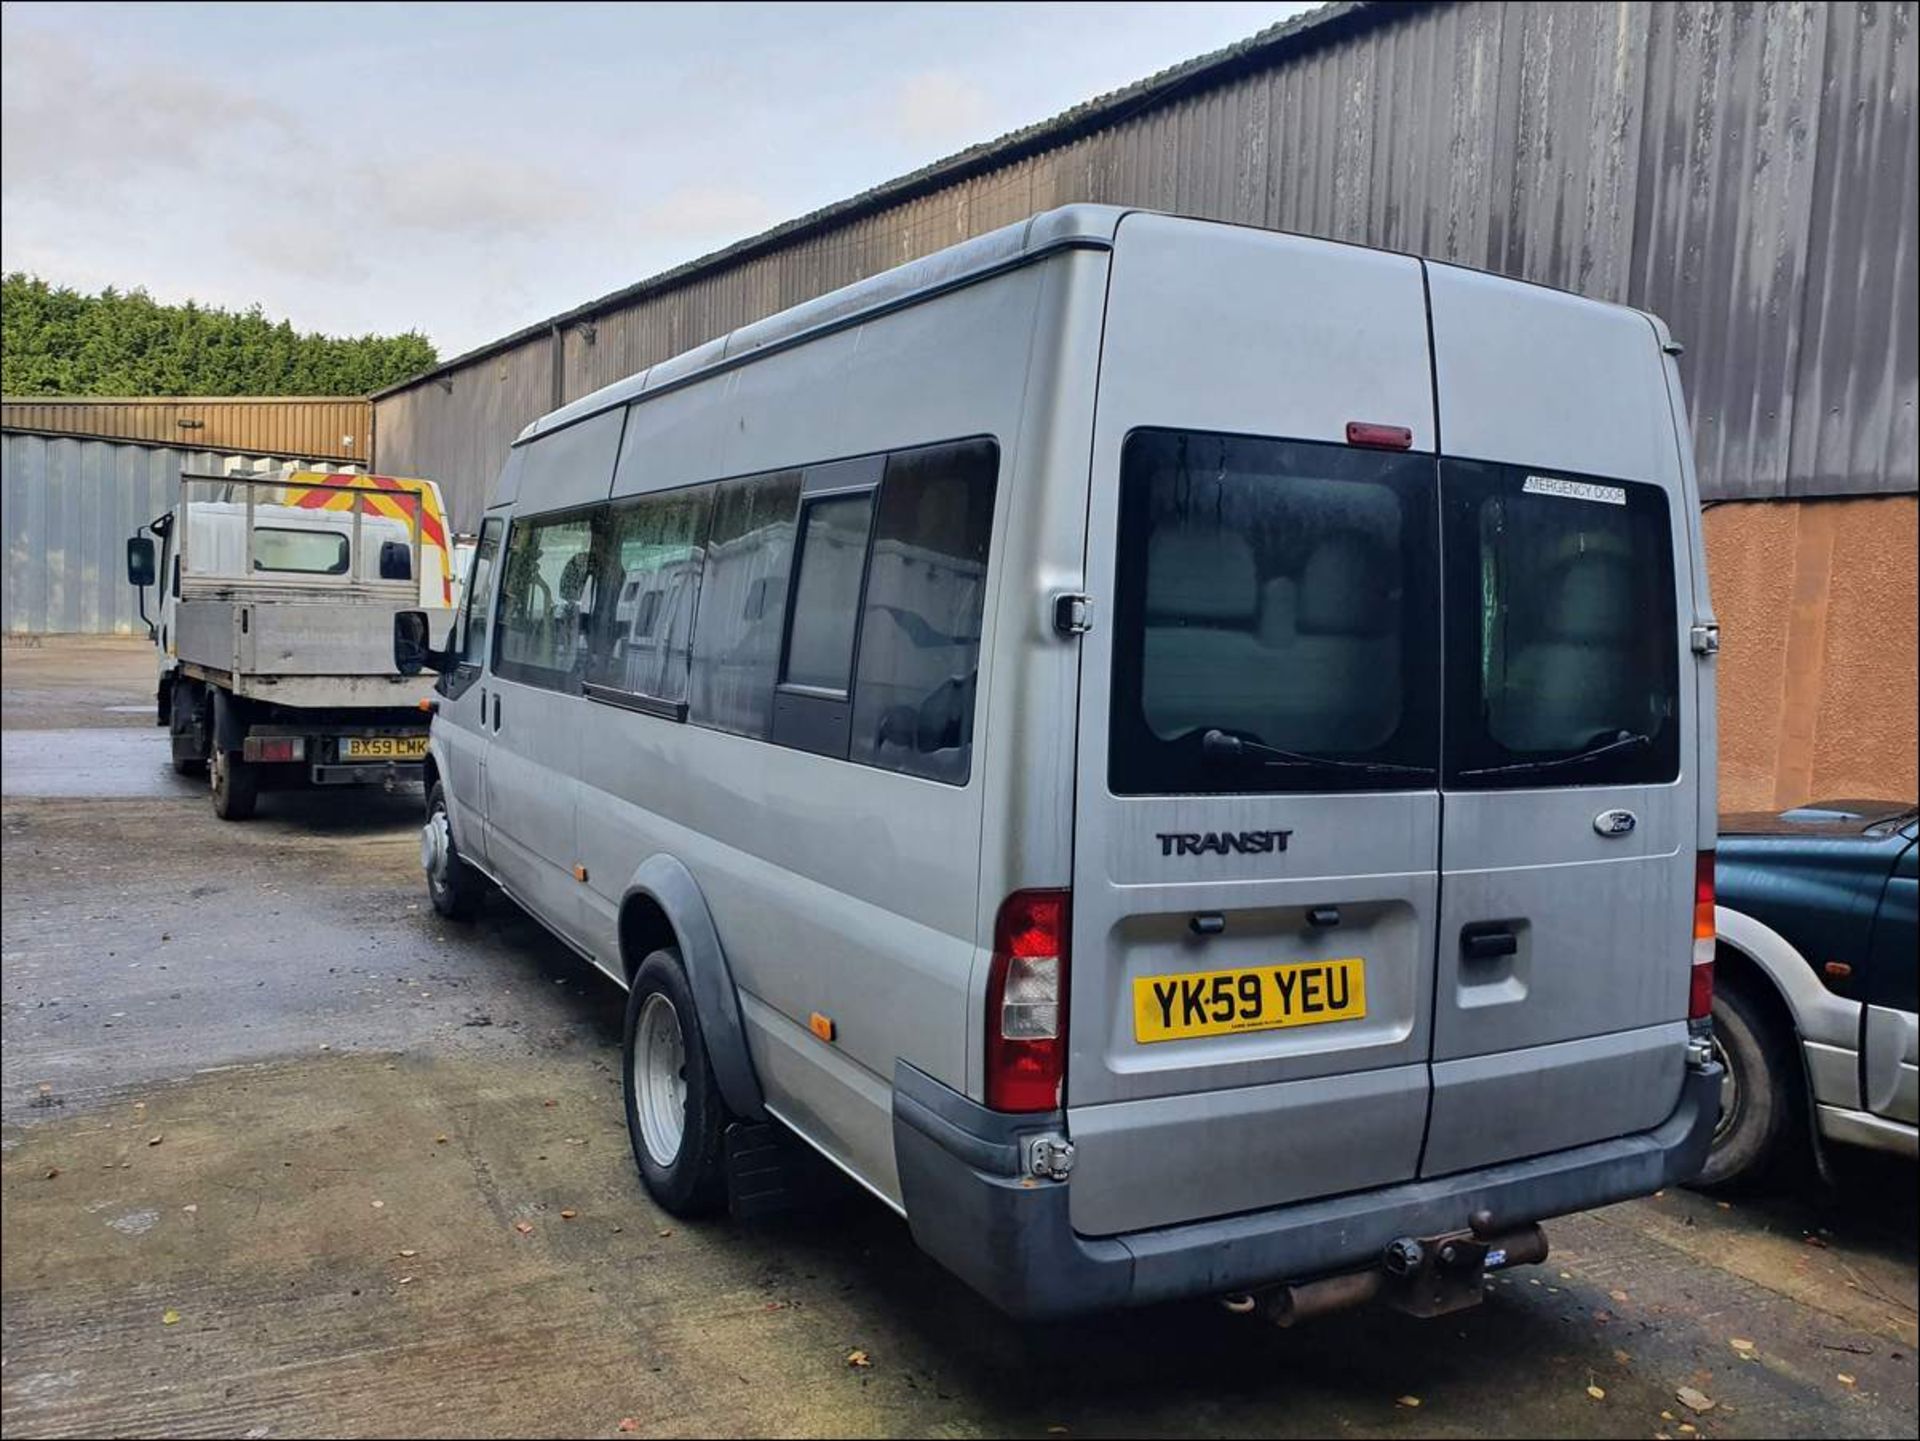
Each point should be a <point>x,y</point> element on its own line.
<point>1562,640</point>
<point>545,601</point>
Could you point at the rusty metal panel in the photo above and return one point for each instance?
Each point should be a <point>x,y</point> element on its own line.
<point>67,506</point>
<point>1744,170</point>
<point>321,428</point>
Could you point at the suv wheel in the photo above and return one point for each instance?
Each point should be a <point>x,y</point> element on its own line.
<point>675,1117</point>
<point>1757,1096</point>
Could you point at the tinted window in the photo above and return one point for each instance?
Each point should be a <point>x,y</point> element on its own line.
<point>926,590</point>
<point>1562,637</point>
<point>546,600</point>
<point>742,603</point>
<point>826,599</point>
<point>1281,594</point>
<point>479,596</point>
<point>651,553</point>
<point>302,552</point>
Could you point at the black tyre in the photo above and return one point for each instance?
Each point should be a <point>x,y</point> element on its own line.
<point>675,1117</point>
<point>1759,1105</point>
<point>455,888</point>
<point>236,786</point>
<point>187,739</point>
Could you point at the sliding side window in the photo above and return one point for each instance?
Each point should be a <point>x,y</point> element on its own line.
<point>652,548</point>
<point>742,603</point>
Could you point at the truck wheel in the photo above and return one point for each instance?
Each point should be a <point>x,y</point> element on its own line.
<point>1757,1107</point>
<point>675,1117</point>
<point>455,888</point>
<point>236,786</point>
<point>189,746</point>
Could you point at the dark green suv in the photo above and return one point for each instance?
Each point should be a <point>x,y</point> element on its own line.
<point>1814,1007</point>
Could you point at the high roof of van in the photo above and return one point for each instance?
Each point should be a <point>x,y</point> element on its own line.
<point>1062,228</point>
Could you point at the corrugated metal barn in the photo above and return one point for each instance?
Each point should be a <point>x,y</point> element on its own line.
<point>1746,171</point>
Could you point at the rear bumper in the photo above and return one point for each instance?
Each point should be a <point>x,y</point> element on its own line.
<point>1008,1236</point>
<point>391,774</point>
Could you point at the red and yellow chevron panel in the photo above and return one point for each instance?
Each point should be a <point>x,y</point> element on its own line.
<point>377,493</point>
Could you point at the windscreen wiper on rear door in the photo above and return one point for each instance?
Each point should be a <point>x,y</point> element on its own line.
<point>1217,745</point>
<point>1625,741</point>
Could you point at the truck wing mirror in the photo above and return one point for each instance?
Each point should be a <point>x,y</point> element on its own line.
<point>140,566</point>
<point>413,649</point>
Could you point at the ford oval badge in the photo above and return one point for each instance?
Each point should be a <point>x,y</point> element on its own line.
<point>1615,823</point>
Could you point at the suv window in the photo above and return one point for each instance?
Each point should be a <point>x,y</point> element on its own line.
<point>926,591</point>
<point>1278,597</point>
<point>1562,641</point>
<point>545,601</point>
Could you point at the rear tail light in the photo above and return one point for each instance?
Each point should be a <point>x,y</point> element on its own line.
<point>274,748</point>
<point>1700,991</point>
<point>1027,1003</point>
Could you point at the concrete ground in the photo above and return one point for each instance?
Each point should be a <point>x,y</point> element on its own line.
<point>272,1130</point>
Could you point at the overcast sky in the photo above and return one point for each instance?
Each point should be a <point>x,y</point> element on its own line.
<point>468,169</point>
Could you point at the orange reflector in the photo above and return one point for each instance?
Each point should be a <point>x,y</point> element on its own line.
<point>1840,970</point>
<point>821,1026</point>
<point>579,873</point>
<point>428,705</point>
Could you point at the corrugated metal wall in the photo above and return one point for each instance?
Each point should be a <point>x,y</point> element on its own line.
<point>326,428</point>
<point>1745,170</point>
<point>67,507</point>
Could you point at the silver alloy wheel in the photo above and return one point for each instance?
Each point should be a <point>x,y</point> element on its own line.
<point>659,1079</point>
<point>436,847</point>
<point>1729,1093</point>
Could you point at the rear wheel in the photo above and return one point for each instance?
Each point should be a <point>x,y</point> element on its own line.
<point>236,786</point>
<point>455,888</point>
<point>187,738</point>
<point>1757,1105</point>
<point>675,1117</point>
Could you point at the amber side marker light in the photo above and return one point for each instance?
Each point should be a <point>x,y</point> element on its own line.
<point>821,1026</point>
<point>1379,437</point>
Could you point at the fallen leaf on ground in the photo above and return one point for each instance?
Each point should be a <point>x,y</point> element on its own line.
<point>169,1318</point>
<point>439,1140</point>
<point>858,1359</point>
<point>1596,1393</point>
<point>1815,1241</point>
<point>666,1230</point>
<point>52,1171</point>
<point>155,1140</point>
<point>1844,1379</point>
<point>406,1281</point>
<point>1618,1295</point>
<point>379,1205</point>
<point>627,1423</point>
<point>409,1253</point>
<point>568,1215</point>
<point>1741,1344</point>
<point>1694,1400</point>
<point>1621,1358</point>
<point>525,1228</point>
<point>1408,1401</point>
<point>547,1103</point>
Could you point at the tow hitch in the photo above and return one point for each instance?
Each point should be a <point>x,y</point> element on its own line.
<point>1423,1276</point>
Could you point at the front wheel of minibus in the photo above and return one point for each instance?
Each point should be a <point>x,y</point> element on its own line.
<point>675,1117</point>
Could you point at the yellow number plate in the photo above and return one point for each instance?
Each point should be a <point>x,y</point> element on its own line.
<point>386,748</point>
<point>1218,1003</point>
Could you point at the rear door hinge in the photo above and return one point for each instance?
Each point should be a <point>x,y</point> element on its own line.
<point>1049,1157</point>
<point>1706,639</point>
<point>1073,612</point>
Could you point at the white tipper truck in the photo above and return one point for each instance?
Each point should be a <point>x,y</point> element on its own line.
<point>275,627</point>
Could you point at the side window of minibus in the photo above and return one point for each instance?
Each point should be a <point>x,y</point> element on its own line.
<point>548,594</point>
<point>477,604</point>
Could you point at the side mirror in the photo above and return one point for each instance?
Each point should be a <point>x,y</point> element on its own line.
<point>413,650</point>
<point>140,564</point>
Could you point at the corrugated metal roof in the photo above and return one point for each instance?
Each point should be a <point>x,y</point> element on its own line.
<point>1216,67</point>
<point>318,427</point>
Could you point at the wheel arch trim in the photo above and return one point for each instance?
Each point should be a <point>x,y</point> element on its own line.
<point>1818,1014</point>
<point>669,886</point>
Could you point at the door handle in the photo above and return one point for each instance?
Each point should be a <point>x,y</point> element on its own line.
<point>1488,943</point>
<point>496,711</point>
